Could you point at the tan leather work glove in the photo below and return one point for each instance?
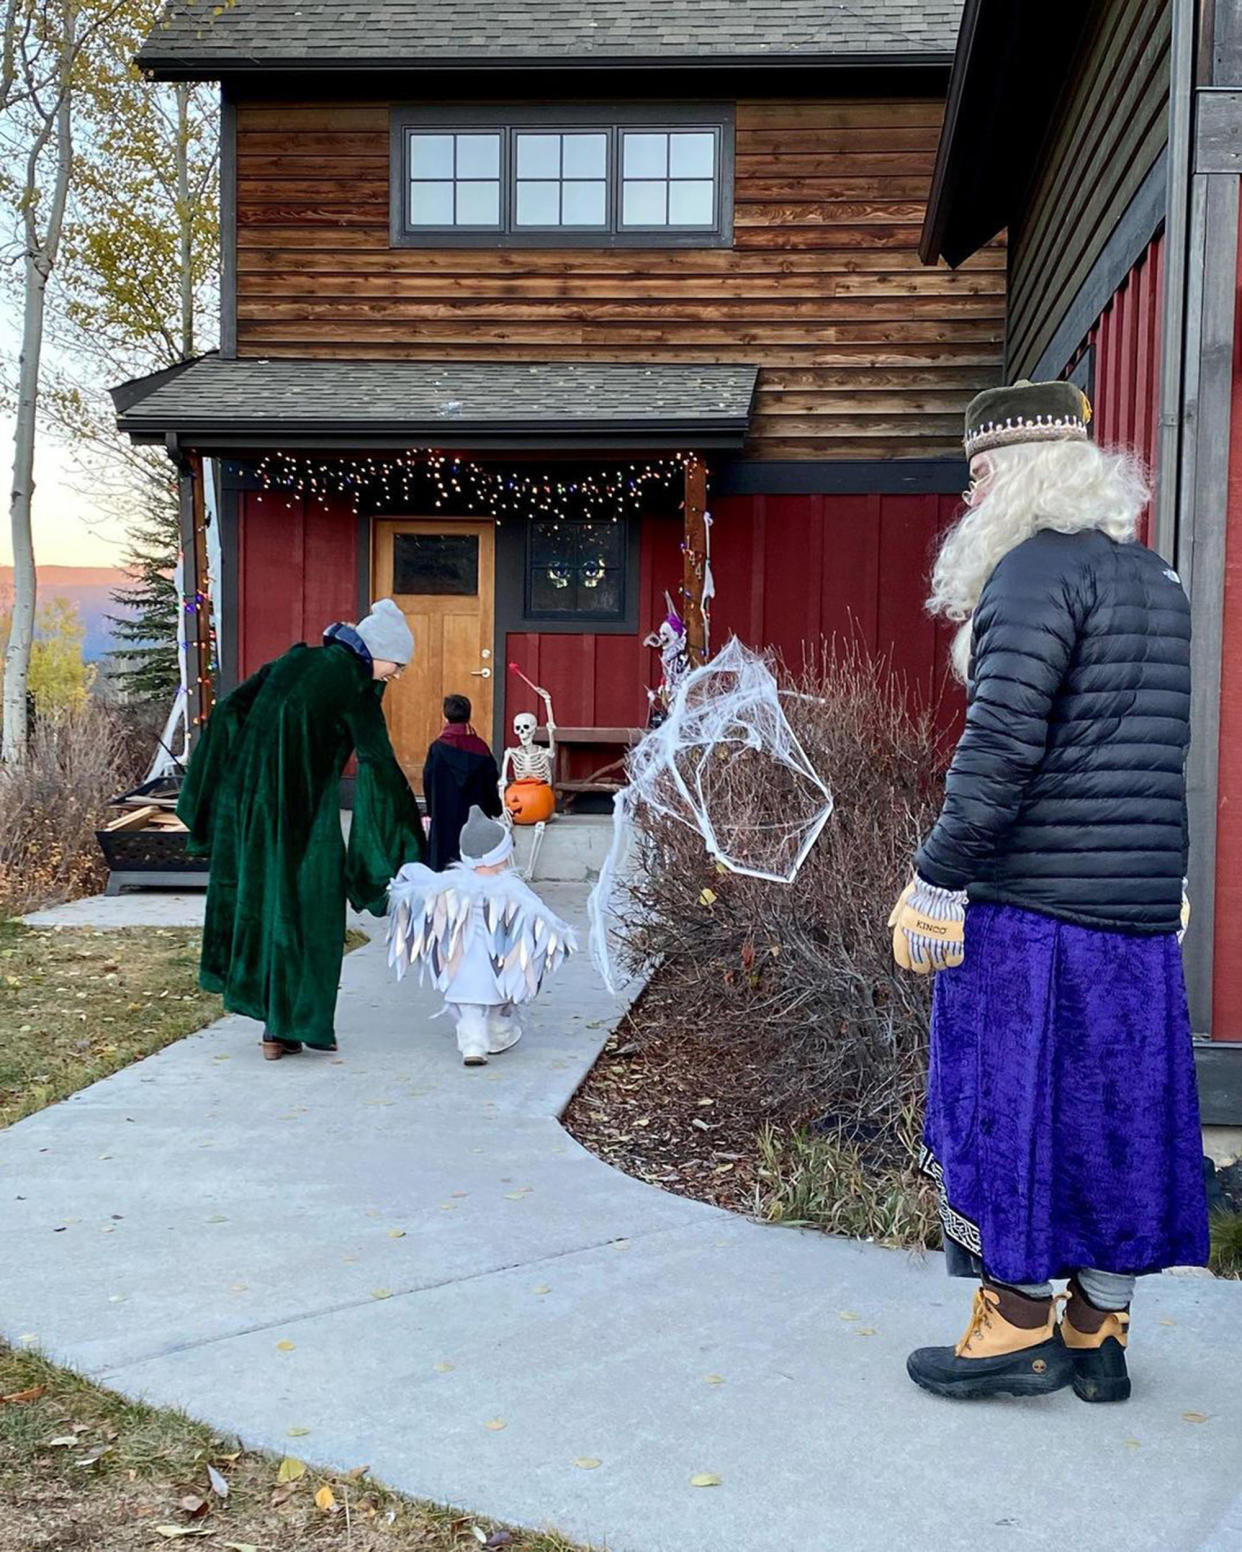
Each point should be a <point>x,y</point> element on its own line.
<point>928,927</point>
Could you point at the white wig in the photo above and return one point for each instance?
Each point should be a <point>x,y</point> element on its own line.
<point>1067,486</point>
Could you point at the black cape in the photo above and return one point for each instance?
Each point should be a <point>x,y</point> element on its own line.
<point>453,779</point>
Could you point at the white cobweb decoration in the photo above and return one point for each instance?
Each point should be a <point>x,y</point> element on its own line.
<point>725,716</point>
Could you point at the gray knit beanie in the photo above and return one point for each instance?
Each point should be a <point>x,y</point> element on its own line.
<point>386,634</point>
<point>484,841</point>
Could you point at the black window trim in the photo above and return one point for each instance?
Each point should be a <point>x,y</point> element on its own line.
<point>717,117</point>
<point>569,617</point>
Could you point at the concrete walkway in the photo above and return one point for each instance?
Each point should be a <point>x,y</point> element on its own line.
<point>480,1311</point>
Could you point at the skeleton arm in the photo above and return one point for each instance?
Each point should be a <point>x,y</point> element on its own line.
<point>505,763</point>
<point>551,725</point>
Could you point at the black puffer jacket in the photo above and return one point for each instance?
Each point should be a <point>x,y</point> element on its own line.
<point>1067,791</point>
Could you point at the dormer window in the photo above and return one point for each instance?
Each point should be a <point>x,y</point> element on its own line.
<point>639,176</point>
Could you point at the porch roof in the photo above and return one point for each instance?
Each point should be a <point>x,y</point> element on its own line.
<point>199,39</point>
<point>214,404</point>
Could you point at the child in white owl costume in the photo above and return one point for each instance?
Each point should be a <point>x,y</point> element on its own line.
<point>482,938</point>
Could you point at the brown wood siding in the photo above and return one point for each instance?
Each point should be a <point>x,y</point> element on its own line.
<point>864,352</point>
<point>1109,128</point>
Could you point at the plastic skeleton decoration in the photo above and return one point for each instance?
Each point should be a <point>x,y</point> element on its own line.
<point>670,642</point>
<point>527,773</point>
<point>433,922</point>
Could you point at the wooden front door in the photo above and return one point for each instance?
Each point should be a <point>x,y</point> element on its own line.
<point>442,577</point>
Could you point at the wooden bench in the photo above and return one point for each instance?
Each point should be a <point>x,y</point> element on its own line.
<point>606,777</point>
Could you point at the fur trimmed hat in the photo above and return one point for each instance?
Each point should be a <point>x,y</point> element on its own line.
<point>484,841</point>
<point>1026,412</point>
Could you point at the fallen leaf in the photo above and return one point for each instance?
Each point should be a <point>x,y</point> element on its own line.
<point>219,1485</point>
<point>588,1462</point>
<point>713,1379</point>
<point>443,1367</point>
<point>396,1234</point>
<point>194,1507</point>
<point>707,897</point>
<point>24,1397</point>
<point>298,1433</point>
<point>93,1457</point>
<point>284,1347</point>
<point>480,1535</point>
<point>542,1288</point>
<point>381,1293</point>
<point>705,1479</point>
<point>61,1441</point>
<point>495,1424</point>
<point>1131,1444</point>
<point>847,1315</point>
<point>172,1532</point>
<point>357,1474</point>
<point>1194,1417</point>
<point>239,1546</point>
<point>291,1470</point>
<point>1167,1320</point>
<point>866,1330</point>
<point>325,1498</point>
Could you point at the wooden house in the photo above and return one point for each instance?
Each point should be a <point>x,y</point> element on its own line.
<point>1107,140</point>
<point>525,307</point>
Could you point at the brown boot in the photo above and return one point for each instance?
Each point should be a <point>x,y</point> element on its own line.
<point>1096,1340</point>
<point>1011,1347</point>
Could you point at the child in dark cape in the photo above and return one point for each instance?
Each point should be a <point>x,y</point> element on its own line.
<point>459,773</point>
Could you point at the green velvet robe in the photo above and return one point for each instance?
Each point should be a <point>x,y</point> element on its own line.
<point>262,798</point>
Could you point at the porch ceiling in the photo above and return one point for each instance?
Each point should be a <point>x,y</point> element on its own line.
<point>214,404</point>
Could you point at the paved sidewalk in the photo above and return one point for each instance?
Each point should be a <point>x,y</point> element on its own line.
<point>444,1258</point>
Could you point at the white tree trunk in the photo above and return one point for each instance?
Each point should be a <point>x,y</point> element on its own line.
<point>40,256</point>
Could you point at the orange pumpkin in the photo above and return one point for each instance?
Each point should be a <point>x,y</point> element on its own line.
<point>529,801</point>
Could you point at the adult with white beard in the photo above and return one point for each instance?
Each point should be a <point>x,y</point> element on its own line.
<point>1062,1123</point>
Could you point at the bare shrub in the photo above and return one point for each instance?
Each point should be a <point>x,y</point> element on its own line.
<point>53,802</point>
<point>803,973</point>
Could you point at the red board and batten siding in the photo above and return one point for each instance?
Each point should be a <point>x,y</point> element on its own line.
<point>788,569</point>
<point>1126,341</point>
<point>1226,958</point>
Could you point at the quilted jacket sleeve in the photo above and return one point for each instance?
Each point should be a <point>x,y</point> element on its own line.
<point>1025,629</point>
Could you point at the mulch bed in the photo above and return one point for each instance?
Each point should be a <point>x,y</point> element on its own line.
<point>674,1109</point>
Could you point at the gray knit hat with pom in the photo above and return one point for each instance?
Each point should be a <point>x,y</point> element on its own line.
<point>386,634</point>
<point>484,841</point>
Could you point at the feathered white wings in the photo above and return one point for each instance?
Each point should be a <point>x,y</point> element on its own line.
<point>433,920</point>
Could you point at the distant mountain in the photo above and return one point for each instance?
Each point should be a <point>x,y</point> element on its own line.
<point>90,588</point>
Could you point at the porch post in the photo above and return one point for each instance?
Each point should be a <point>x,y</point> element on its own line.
<point>694,560</point>
<point>196,599</point>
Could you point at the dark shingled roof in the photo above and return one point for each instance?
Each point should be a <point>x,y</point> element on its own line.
<point>401,34</point>
<point>497,403</point>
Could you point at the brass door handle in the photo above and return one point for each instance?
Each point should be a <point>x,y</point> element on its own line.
<point>481,673</point>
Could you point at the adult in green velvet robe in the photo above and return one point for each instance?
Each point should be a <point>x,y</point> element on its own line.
<point>262,798</point>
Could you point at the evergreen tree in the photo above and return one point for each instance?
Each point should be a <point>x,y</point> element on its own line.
<point>145,660</point>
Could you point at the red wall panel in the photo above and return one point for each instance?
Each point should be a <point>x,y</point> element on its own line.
<point>297,572</point>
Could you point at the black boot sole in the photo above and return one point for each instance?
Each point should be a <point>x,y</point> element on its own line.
<point>1036,1371</point>
<point>1100,1372</point>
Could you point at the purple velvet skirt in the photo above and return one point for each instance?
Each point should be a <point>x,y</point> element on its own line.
<point>1062,1115</point>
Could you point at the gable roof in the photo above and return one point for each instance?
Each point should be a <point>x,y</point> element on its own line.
<point>255,402</point>
<point>192,39</point>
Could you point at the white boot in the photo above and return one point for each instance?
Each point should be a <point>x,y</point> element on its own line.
<point>472,1033</point>
<point>504,1028</point>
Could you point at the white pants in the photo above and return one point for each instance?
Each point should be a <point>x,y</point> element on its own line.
<point>483,1029</point>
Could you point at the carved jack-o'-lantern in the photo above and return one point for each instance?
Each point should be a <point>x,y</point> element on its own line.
<point>529,802</point>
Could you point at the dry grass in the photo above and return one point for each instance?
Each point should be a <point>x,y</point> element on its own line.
<point>52,804</point>
<point>132,1473</point>
<point>1226,1255</point>
<point>77,1004</point>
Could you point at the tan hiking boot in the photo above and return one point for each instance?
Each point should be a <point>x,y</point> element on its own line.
<point>1096,1340</point>
<point>1012,1346</point>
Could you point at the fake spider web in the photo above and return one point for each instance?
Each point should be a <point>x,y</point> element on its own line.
<point>726,739</point>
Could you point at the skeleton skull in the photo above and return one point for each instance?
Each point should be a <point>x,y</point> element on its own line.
<point>524,726</point>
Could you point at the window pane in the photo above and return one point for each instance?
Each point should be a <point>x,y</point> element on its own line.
<point>431,156</point>
<point>646,156</point>
<point>600,593</point>
<point>478,156</point>
<point>584,204</point>
<point>478,204</point>
<point>692,156</point>
<point>538,156</point>
<point>644,204</point>
<point>577,567</point>
<point>435,563</point>
<point>585,156</point>
<point>538,204</point>
<point>691,203</point>
<point>431,204</point>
